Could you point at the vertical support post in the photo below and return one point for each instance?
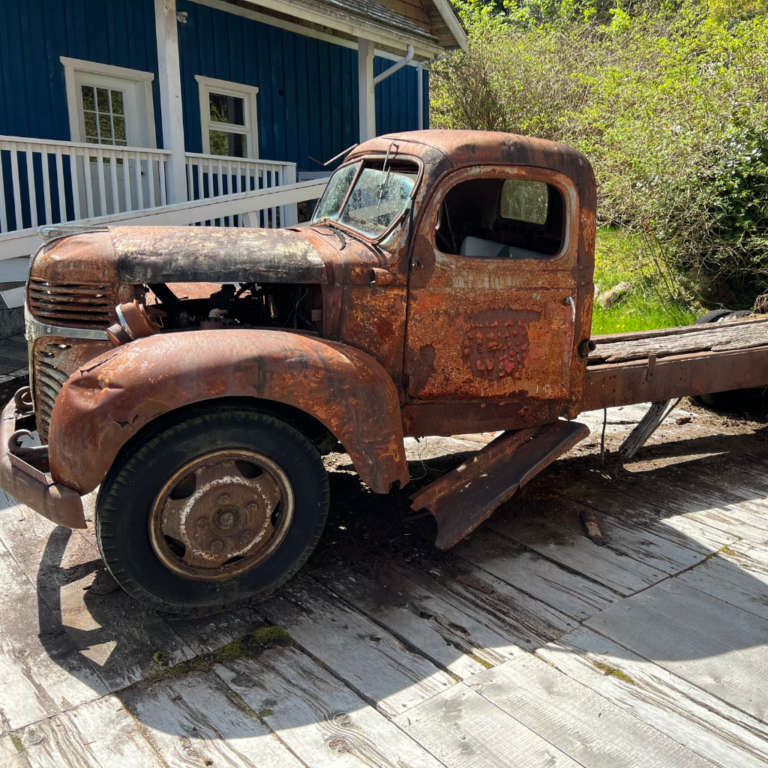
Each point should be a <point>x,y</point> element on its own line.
<point>169,70</point>
<point>420,94</point>
<point>291,212</point>
<point>366,89</point>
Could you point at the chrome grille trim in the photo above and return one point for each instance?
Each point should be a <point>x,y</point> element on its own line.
<point>72,304</point>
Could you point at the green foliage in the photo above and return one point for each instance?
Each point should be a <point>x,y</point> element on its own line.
<point>670,104</point>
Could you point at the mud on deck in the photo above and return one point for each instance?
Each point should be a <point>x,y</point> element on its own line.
<point>525,645</point>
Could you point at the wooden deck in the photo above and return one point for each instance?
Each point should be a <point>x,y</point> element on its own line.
<point>526,645</point>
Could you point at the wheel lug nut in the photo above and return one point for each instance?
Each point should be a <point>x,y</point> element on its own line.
<point>217,546</point>
<point>223,499</point>
<point>201,522</point>
<point>252,508</point>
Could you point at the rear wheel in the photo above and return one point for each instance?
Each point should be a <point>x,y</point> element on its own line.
<point>721,400</point>
<point>213,507</point>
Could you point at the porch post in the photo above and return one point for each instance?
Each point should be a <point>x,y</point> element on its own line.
<point>170,97</point>
<point>366,89</point>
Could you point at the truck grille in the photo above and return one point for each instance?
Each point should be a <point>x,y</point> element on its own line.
<point>48,383</point>
<point>54,360</point>
<point>77,305</point>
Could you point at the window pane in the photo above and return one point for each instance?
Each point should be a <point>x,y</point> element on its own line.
<point>117,103</point>
<point>335,192</point>
<point>227,109</point>
<point>378,198</point>
<point>119,129</point>
<point>91,131</point>
<point>525,201</point>
<point>105,129</point>
<point>228,144</point>
<point>89,100</point>
<point>102,99</point>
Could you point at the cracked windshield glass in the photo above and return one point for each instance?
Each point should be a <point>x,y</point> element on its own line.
<point>379,196</point>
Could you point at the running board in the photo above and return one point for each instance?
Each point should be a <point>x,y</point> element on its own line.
<point>466,496</point>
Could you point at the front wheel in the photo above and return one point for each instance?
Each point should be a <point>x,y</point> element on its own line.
<point>211,508</point>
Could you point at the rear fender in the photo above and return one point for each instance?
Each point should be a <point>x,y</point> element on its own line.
<point>106,402</point>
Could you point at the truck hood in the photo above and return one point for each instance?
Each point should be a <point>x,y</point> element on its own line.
<point>215,254</point>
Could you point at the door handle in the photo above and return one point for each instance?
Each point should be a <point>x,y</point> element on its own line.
<point>569,300</point>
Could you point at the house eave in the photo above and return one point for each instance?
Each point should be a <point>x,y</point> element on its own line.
<point>356,26</point>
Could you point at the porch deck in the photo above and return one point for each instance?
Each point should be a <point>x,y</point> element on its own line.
<point>526,645</point>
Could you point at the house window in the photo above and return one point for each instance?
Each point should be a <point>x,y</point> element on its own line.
<point>228,118</point>
<point>109,105</point>
<point>104,115</point>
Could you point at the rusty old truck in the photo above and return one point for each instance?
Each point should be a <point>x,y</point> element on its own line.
<point>195,375</point>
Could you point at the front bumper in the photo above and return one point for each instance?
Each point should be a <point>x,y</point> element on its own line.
<point>23,470</point>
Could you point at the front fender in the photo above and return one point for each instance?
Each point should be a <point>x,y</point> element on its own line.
<point>107,401</point>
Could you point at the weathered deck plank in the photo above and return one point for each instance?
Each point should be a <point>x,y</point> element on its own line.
<point>464,730</point>
<point>99,734</point>
<point>196,721</point>
<point>41,671</point>
<point>708,642</point>
<point>117,635</point>
<point>370,660</point>
<point>448,637</point>
<point>568,592</point>
<point>576,720</point>
<point>317,717</point>
<point>682,711</point>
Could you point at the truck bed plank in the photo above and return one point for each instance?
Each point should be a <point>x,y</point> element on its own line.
<point>682,711</point>
<point>369,659</point>
<point>716,337</point>
<point>464,730</point>
<point>578,721</point>
<point>321,721</point>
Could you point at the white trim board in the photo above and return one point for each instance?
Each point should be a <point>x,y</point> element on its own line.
<point>248,93</point>
<point>142,82</point>
<point>289,26</point>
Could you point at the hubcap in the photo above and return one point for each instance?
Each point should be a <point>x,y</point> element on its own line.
<point>221,515</point>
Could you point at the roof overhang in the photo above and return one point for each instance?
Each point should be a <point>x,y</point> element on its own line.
<point>359,26</point>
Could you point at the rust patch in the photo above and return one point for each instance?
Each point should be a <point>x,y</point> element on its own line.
<point>496,344</point>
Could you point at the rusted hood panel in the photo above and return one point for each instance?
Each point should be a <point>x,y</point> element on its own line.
<point>215,254</point>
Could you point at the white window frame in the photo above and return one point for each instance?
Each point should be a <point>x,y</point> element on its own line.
<point>140,81</point>
<point>208,85</point>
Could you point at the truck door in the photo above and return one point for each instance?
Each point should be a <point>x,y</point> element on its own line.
<point>492,302</point>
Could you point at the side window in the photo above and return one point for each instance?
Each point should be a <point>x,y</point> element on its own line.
<point>228,118</point>
<point>502,219</point>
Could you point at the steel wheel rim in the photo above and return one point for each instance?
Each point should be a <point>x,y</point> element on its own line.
<point>221,515</point>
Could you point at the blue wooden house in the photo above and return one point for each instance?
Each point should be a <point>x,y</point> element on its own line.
<point>190,111</point>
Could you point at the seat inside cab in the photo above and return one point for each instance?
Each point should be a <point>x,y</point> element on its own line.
<point>501,219</point>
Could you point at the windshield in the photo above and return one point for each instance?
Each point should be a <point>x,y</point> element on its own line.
<point>379,196</point>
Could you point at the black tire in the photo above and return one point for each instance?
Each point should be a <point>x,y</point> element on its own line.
<point>128,497</point>
<point>713,316</point>
<point>720,401</point>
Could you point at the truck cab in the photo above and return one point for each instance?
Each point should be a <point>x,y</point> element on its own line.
<point>195,375</point>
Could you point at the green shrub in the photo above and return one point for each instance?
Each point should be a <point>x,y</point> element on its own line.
<point>670,107</point>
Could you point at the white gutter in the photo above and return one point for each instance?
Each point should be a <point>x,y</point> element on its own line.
<point>397,65</point>
<point>420,94</point>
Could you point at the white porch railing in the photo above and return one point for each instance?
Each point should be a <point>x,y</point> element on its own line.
<point>210,176</point>
<point>49,182</point>
<point>244,205</point>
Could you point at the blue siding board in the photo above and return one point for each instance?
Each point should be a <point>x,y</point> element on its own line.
<point>307,105</point>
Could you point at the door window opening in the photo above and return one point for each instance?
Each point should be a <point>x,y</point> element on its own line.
<point>501,218</point>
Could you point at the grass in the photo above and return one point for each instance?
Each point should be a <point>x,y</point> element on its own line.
<point>619,258</point>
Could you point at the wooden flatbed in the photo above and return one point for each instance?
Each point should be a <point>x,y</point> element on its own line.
<point>676,362</point>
